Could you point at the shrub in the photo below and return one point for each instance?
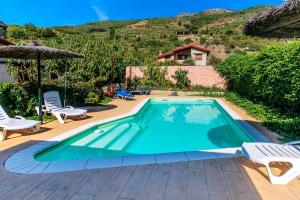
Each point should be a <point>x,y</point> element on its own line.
<point>271,76</point>
<point>93,98</point>
<point>77,94</point>
<point>202,40</point>
<point>21,99</point>
<point>190,62</point>
<point>16,100</point>
<point>284,123</point>
<point>134,83</point>
<point>229,32</point>
<point>169,63</point>
<point>15,32</point>
<point>213,60</point>
<point>155,76</point>
<point>181,78</point>
<point>208,91</point>
<point>187,41</point>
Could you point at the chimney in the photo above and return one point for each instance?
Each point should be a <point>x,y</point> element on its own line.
<point>3,30</point>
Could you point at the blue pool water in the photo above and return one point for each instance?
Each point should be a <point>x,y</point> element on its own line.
<point>161,126</point>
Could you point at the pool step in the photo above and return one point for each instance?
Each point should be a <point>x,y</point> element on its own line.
<point>112,135</point>
<point>122,142</point>
<point>95,135</point>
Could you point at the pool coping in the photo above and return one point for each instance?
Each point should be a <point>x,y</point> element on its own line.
<point>23,162</point>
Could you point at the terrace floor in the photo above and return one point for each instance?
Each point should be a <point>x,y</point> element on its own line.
<point>228,178</point>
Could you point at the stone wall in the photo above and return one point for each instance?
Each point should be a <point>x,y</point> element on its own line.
<point>199,75</point>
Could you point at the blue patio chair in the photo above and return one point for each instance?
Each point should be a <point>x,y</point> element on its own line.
<point>141,92</point>
<point>124,95</point>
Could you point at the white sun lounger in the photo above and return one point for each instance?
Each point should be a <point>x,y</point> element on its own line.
<point>265,153</point>
<point>17,123</point>
<point>54,106</point>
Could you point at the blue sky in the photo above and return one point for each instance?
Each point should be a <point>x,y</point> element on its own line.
<point>73,12</point>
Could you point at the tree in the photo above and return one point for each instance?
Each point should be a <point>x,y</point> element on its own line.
<point>154,76</point>
<point>16,32</point>
<point>111,33</point>
<point>181,78</point>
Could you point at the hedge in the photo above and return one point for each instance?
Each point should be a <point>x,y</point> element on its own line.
<point>283,123</point>
<point>271,77</point>
<point>21,99</point>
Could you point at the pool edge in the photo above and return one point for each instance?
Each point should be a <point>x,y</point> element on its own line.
<point>23,162</point>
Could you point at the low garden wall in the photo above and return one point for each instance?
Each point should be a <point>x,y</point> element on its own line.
<point>199,75</point>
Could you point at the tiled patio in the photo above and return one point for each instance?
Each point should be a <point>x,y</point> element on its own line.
<point>228,178</point>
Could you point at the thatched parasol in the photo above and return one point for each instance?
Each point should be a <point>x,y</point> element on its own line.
<point>35,51</point>
<point>282,20</point>
<point>2,24</point>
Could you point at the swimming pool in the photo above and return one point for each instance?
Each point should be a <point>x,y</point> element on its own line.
<point>161,126</point>
<point>156,130</point>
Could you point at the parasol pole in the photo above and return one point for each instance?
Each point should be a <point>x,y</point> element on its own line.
<point>65,95</point>
<point>39,86</point>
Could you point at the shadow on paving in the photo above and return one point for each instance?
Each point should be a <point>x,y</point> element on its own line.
<point>216,179</point>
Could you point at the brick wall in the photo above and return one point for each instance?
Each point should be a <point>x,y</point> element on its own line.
<point>199,75</point>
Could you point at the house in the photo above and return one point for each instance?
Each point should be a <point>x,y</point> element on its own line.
<point>3,42</point>
<point>194,51</point>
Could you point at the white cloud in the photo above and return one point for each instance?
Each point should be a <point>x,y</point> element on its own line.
<point>100,13</point>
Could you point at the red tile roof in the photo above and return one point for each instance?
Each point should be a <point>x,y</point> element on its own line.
<point>189,46</point>
<point>5,42</point>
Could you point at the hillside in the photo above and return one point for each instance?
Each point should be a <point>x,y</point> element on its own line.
<point>219,30</point>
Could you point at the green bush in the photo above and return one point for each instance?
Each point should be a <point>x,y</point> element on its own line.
<point>169,63</point>
<point>190,62</point>
<point>21,99</point>
<point>77,94</point>
<point>187,41</point>
<point>16,100</point>
<point>284,123</point>
<point>30,31</point>
<point>93,98</point>
<point>207,91</point>
<point>271,76</point>
<point>213,60</point>
<point>134,83</point>
<point>181,78</point>
<point>155,76</point>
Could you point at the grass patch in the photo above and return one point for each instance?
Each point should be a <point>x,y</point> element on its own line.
<point>105,100</point>
<point>207,91</point>
<point>285,124</point>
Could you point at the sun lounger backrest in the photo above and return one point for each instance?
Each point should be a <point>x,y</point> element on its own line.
<point>3,115</point>
<point>52,101</point>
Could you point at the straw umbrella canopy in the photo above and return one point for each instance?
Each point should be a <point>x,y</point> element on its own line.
<point>283,21</point>
<point>36,51</point>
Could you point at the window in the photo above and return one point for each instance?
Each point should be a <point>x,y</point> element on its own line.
<point>198,56</point>
<point>181,57</point>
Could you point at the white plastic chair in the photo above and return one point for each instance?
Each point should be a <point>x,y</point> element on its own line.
<point>266,153</point>
<point>54,106</point>
<point>17,123</point>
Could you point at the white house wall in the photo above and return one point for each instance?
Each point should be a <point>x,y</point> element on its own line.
<point>204,57</point>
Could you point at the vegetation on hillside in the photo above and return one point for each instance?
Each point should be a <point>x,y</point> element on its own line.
<point>218,31</point>
<point>110,46</point>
